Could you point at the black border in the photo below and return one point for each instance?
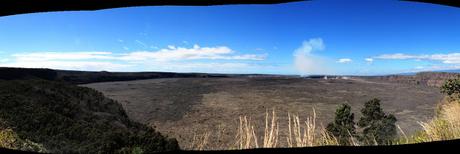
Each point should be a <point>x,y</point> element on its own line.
<point>13,7</point>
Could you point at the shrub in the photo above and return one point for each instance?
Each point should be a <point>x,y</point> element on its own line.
<point>378,127</point>
<point>451,87</point>
<point>343,127</point>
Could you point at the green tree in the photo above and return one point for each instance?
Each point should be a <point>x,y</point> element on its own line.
<point>451,87</point>
<point>377,126</point>
<point>343,127</point>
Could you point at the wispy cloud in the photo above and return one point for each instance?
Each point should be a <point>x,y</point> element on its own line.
<point>141,43</point>
<point>451,58</point>
<point>344,60</point>
<point>259,49</point>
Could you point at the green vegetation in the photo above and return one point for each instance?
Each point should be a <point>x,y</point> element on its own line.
<point>378,128</point>
<point>451,87</point>
<point>70,119</point>
<point>343,127</point>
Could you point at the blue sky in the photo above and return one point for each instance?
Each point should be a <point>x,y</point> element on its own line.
<point>316,37</point>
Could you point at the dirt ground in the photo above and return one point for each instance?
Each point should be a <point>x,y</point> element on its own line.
<point>184,107</point>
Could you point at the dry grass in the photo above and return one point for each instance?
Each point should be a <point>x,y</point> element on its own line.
<point>200,142</point>
<point>299,134</point>
<point>445,126</point>
<point>306,133</point>
<point>208,140</point>
<point>245,136</point>
<point>302,137</point>
<point>327,138</point>
<point>402,140</point>
<point>271,135</point>
<point>451,114</point>
<point>354,142</point>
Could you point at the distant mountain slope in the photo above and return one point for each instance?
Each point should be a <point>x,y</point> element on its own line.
<point>449,71</point>
<point>70,119</point>
<point>82,77</point>
<point>435,79</point>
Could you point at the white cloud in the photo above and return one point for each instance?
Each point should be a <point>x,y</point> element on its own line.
<point>451,58</point>
<point>171,47</point>
<point>69,65</point>
<point>307,63</point>
<point>45,56</point>
<point>369,60</point>
<point>397,56</point>
<point>173,53</point>
<point>199,66</point>
<point>179,58</point>
<point>344,60</point>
